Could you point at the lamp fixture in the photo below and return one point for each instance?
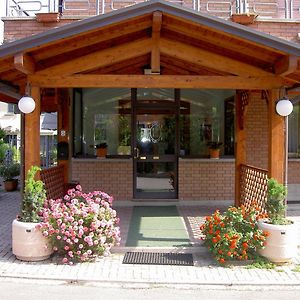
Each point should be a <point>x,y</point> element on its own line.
<point>26,104</point>
<point>284,107</point>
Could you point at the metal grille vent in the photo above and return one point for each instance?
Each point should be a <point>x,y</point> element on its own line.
<point>151,258</point>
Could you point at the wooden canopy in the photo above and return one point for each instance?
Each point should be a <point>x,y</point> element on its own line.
<point>152,44</point>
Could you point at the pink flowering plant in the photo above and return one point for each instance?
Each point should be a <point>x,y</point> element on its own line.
<point>81,226</point>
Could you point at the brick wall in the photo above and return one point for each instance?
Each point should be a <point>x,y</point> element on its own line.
<point>203,179</point>
<point>16,28</point>
<point>199,179</point>
<point>294,171</point>
<point>285,30</point>
<point>111,176</point>
<point>256,126</point>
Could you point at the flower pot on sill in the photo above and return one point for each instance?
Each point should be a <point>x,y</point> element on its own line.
<point>214,153</point>
<point>244,19</point>
<point>11,185</point>
<point>101,152</point>
<point>47,17</point>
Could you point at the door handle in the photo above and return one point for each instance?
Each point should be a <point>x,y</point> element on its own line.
<point>136,152</point>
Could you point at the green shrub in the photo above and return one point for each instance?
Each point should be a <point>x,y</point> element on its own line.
<point>275,205</point>
<point>9,171</point>
<point>33,198</point>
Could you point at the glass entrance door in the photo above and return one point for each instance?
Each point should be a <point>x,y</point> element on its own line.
<point>155,149</point>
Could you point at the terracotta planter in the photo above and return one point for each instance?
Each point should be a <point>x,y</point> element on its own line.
<point>281,244</point>
<point>244,19</point>
<point>11,185</point>
<point>47,17</point>
<point>101,152</point>
<point>28,243</point>
<point>214,153</point>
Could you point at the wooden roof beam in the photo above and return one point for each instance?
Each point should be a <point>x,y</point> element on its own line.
<point>24,63</point>
<point>154,81</point>
<point>286,65</point>
<point>208,59</point>
<point>155,52</point>
<point>101,58</point>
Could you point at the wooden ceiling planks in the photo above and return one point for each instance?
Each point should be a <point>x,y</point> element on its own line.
<point>88,39</point>
<point>82,51</point>
<point>138,62</point>
<point>102,58</point>
<point>218,37</point>
<point>226,51</point>
<point>158,41</point>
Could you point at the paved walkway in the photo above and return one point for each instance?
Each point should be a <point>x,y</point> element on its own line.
<point>110,270</point>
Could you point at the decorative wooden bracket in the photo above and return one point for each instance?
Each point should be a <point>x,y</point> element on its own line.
<point>286,65</point>
<point>24,63</point>
<point>243,98</point>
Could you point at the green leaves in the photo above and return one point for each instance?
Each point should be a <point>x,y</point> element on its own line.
<point>275,205</point>
<point>33,198</point>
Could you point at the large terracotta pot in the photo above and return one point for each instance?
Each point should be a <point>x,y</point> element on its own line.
<point>244,19</point>
<point>281,244</point>
<point>11,185</point>
<point>47,17</point>
<point>28,243</point>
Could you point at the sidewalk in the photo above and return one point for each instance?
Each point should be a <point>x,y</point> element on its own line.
<point>110,270</point>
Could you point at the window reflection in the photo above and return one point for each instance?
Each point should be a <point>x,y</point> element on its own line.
<point>106,119</point>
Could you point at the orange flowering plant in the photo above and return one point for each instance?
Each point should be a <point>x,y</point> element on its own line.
<point>233,234</point>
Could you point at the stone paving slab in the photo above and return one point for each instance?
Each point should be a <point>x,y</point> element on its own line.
<point>110,270</point>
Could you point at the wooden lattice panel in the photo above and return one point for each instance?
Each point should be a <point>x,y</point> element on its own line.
<point>254,185</point>
<point>53,179</point>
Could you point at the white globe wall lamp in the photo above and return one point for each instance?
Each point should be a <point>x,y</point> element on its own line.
<point>26,104</point>
<point>284,107</point>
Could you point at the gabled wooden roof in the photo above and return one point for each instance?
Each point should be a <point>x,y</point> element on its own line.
<point>187,48</point>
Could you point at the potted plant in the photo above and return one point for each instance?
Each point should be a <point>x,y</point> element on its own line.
<point>244,18</point>
<point>28,242</point>
<point>281,244</point>
<point>88,228</point>
<point>8,172</point>
<point>101,149</point>
<point>214,149</point>
<point>234,234</point>
<point>49,17</point>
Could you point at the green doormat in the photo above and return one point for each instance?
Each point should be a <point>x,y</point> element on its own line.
<point>157,226</point>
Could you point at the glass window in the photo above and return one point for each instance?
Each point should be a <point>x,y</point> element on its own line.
<point>204,118</point>
<point>106,119</point>
<point>294,131</point>
<point>155,95</point>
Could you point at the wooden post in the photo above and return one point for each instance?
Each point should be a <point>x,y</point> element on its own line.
<point>63,127</point>
<point>240,149</point>
<point>32,133</point>
<point>276,159</point>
